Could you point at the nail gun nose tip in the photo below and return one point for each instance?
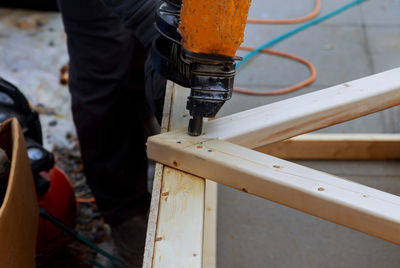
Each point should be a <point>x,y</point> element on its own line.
<point>195,126</point>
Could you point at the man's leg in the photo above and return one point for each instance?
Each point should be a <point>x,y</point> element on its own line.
<point>108,104</point>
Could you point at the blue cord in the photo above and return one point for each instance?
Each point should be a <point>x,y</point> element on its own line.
<point>299,29</point>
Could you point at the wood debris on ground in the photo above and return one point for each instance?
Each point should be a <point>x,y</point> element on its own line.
<point>64,75</point>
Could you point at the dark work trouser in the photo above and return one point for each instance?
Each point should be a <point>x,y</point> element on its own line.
<point>108,77</point>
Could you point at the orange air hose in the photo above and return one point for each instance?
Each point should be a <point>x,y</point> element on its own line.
<point>295,87</point>
<point>310,16</point>
<point>311,67</point>
<point>85,200</point>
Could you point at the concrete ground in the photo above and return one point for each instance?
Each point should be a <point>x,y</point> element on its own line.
<point>32,52</point>
<point>253,232</point>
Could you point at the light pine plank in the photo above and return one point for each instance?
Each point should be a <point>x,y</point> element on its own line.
<point>295,116</point>
<point>175,231</point>
<point>337,147</point>
<point>179,238</point>
<point>210,225</point>
<point>320,194</point>
<point>155,197</point>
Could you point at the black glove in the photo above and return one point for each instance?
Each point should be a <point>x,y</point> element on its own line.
<point>137,15</point>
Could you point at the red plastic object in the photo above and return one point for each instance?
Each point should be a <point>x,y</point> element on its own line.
<point>60,202</point>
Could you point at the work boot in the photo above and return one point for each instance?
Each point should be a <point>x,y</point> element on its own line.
<point>129,240</point>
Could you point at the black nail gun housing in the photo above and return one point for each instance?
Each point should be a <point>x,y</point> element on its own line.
<point>210,77</point>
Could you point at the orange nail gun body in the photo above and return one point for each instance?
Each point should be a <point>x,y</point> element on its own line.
<point>197,50</point>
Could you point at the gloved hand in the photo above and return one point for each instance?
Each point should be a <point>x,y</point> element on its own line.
<point>140,17</point>
<point>137,15</point>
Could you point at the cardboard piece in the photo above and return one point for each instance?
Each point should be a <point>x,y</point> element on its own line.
<point>20,211</point>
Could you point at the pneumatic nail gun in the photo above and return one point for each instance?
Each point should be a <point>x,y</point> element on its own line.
<point>197,48</point>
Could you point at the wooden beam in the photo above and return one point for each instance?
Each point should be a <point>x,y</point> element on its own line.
<point>166,245</point>
<point>331,198</point>
<point>336,147</point>
<point>178,218</point>
<point>210,225</point>
<point>292,117</point>
<point>280,121</point>
<point>155,196</point>
<point>179,238</point>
